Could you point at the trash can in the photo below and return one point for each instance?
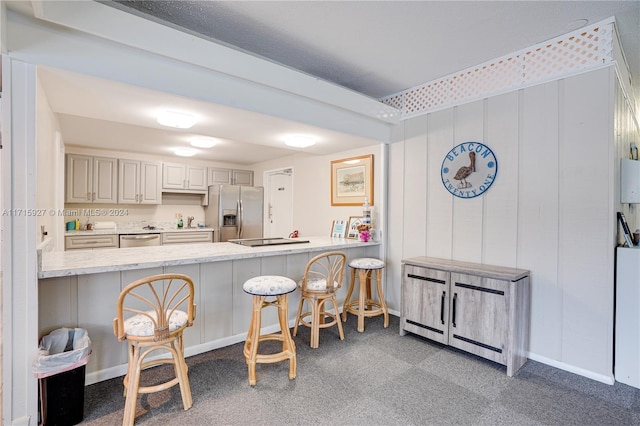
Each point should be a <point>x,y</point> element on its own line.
<point>60,367</point>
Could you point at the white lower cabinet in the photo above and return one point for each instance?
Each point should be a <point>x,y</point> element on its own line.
<point>185,237</point>
<point>477,308</point>
<point>73,242</point>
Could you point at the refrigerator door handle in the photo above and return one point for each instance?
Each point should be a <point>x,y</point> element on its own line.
<point>240,218</point>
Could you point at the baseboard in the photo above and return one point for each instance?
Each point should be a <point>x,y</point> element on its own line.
<point>602,378</point>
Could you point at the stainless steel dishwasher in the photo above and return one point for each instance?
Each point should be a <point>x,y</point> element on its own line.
<point>139,240</point>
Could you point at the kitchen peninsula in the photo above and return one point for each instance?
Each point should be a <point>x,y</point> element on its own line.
<point>80,288</point>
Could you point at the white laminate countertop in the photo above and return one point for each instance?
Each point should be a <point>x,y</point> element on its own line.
<point>80,262</point>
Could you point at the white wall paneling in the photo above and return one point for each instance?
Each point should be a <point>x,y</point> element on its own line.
<point>19,234</point>
<point>538,175</point>
<point>467,231</point>
<point>501,200</point>
<point>395,225</point>
<point>586,201</point>
<point>439,213</point>
<point>215,309</point>
<point>415,183</point>
<point>549,210</point>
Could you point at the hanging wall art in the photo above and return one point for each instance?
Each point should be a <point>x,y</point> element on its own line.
<point>469,169</point>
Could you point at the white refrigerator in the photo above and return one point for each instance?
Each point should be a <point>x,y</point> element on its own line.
<point>235,212</point>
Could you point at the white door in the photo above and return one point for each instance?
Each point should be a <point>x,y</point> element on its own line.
<point>279,194</point>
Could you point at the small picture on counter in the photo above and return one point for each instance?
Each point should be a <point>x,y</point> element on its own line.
<point>354,221</point>
<point>338,229</point>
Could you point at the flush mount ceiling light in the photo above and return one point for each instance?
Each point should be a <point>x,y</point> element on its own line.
<point>202,142</point>
<point>175,119</point>
<point>185,152</point>
<point>299,141</point>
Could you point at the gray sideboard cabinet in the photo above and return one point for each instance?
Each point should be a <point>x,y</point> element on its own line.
<point>481,309</point>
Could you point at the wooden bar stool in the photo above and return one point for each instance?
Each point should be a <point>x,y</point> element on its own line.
<point>262,288</point>
<point>365,306</point>
<point>152,313</point>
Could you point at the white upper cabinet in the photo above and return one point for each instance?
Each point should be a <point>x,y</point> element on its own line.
<point>230,176</point>
<point>183,177</point>
<point>243,177</point>
<point>91,179</point>
<point>139,182</point>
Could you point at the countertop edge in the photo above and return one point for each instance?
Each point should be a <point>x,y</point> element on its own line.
<point>58,264</point>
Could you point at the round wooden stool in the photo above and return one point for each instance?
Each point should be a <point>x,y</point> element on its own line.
<point>365,306</point>
<point>262,288</point>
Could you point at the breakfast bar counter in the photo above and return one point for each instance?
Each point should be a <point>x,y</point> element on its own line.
<point>80,288</point>
<point>62,263</point>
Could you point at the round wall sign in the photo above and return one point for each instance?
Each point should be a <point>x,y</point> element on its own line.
<point>469,169</point>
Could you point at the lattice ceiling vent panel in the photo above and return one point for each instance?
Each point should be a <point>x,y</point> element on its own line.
<point>566,55</point>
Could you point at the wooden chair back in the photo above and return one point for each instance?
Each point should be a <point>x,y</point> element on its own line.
<point>327,266</point>
<point>156,297</point>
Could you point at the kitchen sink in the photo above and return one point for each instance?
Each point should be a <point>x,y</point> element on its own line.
<point>261,242</point>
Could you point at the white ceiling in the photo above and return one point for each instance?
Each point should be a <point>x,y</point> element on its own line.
<point>376,48</point>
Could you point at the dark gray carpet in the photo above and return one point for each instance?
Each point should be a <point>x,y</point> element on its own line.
<point>373,378</point>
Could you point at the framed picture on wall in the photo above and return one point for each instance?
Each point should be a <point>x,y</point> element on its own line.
<point>352,181</point>
<point>352,230</point>
<point>338,228</point>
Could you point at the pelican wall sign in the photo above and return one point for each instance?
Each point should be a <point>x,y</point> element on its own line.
<point>469,169</point>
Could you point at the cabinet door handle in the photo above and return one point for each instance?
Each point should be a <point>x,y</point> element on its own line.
<point>453,310</point>
<point>93,197</point>
<point>444,295</point>
<point>88,196</point>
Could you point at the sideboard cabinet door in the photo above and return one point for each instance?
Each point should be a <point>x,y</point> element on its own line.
<point>425,302</point>
<point>479,316</point>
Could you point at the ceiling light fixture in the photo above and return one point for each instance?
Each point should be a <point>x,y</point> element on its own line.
<point>299,141</point>
<point>202,142</point>
<point>185,152</point>
<point>178,120</point>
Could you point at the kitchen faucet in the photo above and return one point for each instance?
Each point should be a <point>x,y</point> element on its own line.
<point>189,220</point>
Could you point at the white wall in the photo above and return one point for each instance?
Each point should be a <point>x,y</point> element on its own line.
<point>49,169</point>
<point>313,213</point>
<point>550,209</point>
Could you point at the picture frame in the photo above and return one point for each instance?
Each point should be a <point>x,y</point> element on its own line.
<point>338,228</point>
<point>352,229</point>
<point>352,181</point>
<point>625,229</point>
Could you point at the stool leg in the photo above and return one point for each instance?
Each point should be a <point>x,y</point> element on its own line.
<point>315,323</point>
<point>295,328</point>
<point>253,338</point>
<point>349,293</point>
<point>180,367</point>
<point>287,342</point>
<point>133,380</point>
<point>338,321</point>
<point>369,298</point>
<point>383,303</point>
<point>363,273</point>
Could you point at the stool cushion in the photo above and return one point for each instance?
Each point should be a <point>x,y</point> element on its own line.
<point>366,263</point>
<point>269,285</point>
<point>142,326</point>
<point>317,284</point>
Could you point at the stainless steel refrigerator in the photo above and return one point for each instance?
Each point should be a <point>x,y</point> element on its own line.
<point>235,212</point>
